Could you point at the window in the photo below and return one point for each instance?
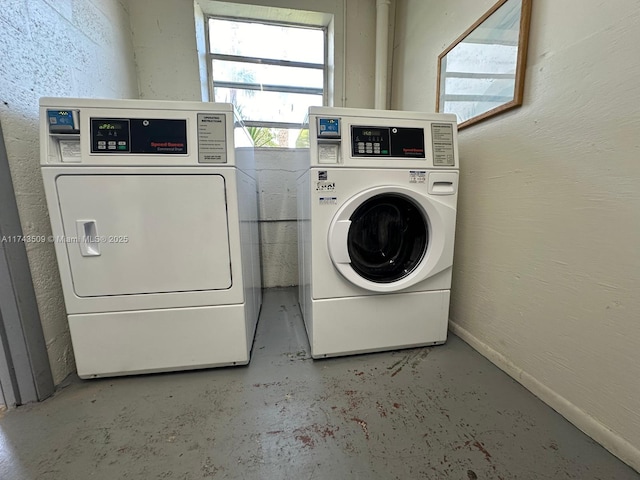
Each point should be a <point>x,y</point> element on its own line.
<point>271,72</point>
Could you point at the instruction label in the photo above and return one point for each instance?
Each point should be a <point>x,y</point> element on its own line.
<point>328,153</point>
<point>328,200</point>
<point>442,137</point>
<point>69,150</point>
<point>417,176</point>
<point>212,143</point>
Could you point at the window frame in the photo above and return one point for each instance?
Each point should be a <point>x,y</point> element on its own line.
<point>267,61</point>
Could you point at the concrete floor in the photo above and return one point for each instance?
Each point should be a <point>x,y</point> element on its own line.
<point>428,413</point>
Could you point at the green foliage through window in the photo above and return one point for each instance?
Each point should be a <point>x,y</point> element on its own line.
<point>263,137</point>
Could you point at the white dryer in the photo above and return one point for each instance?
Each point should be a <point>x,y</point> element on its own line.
<point>153,209</point>
<point>377,215</point>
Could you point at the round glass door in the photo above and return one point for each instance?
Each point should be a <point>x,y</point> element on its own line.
<point>388,238</point>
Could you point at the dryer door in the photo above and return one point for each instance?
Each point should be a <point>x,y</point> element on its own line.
<point>386,239</point>
<point>145,234</point>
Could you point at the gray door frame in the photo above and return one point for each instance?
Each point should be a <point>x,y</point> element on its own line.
<point>25,373</point>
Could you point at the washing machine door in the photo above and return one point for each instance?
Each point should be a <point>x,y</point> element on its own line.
<point>386,239</point>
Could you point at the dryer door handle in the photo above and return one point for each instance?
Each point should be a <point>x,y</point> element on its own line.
<point>338,241</point>
<point>88,238</point>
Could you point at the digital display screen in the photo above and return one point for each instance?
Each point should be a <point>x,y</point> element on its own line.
<point>372,133</point>
<point>110,126</point>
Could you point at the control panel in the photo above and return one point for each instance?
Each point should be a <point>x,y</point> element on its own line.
<point>109,135</point>
<point>138,135</point>
<point>351,137</point>
<point>122,132</point>
<point>368,141</point>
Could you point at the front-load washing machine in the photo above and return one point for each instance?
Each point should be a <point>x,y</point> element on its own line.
<point>376,226</point>
<point>153,209</point>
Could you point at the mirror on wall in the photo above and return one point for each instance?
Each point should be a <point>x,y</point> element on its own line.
<point>481,74</point>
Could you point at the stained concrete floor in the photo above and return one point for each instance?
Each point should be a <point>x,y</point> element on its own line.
<point>427,413</point>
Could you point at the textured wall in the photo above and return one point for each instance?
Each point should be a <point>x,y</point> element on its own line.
<point>546,270</point>
<point>55,48</point>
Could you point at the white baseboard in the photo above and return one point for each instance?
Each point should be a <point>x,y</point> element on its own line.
<point>610,440</point>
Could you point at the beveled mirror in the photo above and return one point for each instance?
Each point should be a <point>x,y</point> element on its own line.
<point>481,74</point>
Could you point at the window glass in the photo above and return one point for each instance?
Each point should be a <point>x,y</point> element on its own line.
<point>225,71</point>
<point>256,105</point>
<point>271,73</point>
<point>279,42</point>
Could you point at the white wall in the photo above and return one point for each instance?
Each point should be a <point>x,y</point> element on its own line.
<point>360,54</point>
<point>55,48</point>
<point>168,31</point>
<point>166,57</point>
<point>546,269</point>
